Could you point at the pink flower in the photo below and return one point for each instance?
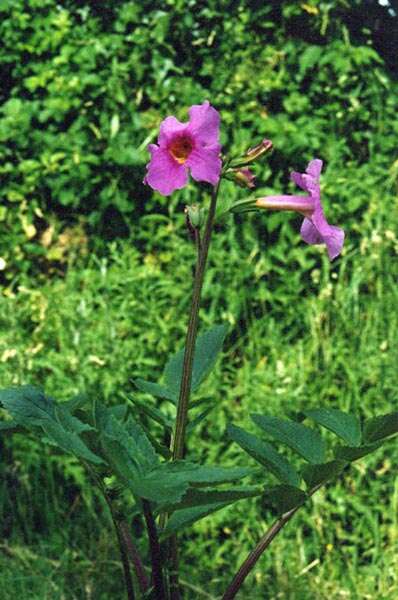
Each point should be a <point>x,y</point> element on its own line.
<point>193,146</point>
<point>315,229</point>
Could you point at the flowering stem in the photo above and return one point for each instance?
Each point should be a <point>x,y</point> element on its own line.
<point>178,442</point>
<point>255,554</point>
<point>156,556</point>
<point>183,401</point>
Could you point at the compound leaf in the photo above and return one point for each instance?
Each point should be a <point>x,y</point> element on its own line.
<point>346,426</point>
<point>302,439</point>
<point>265,454</point>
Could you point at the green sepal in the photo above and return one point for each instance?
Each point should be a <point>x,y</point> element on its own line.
<point>265,454</point>
<point>302,439</point>
<point>344,425</point>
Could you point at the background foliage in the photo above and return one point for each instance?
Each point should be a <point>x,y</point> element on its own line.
<point>96,269</point>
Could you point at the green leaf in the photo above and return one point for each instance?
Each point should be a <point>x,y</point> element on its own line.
<point>155,389</point>
<point>200,497</point>
<point>207,348</point>
<point>265,454</point>
<point>132,456</point>
<point>117,456</point>
<point>195,422</point>
<point>30,407</point>
<point>130,436</point>
<point>168,482</point>
<point>381,427</point>
<point>346,426</point>
<point>75,403</point>
<point>316,474</point>
<point>10,426</point>
<point>70,422</point>
<point>152,412</point>
<point>283,498</point>
<point>187,516</point>
<point>69,440</point>
<point>351,453</point>
<point>181,470</point>
<point>160,448</point>
<point>305,441</point>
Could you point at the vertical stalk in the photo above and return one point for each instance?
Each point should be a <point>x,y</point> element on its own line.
<point>122,548</point>
<point>185,389</point>
<point>134,557</point>
<point>178,442</point>
<point>126,566</point>
<point>156,556</point>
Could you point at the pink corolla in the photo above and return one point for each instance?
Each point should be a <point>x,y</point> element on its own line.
<point>182,147</point>
<point>315,228</point>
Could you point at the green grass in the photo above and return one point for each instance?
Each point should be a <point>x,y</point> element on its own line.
<point>112,319</point>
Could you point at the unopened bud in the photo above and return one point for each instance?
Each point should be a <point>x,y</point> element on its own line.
<point>242,176</point>
<point>257,151</point>
<point>195,215</point>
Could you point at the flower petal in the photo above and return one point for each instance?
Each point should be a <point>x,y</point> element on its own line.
<point>314,168</point>
<point>334,241</point>
<point>309,233</point>
<point>164,174</point>
<point>169,127</point>
<point>299,180</point>
<point>204,124</point>
<point>205,164</point>
<point>330,235</point>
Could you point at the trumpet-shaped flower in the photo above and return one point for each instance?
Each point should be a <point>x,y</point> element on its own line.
<point>315,229</point>
<point>182,147</point>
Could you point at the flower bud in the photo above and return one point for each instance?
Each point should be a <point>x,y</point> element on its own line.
<point>195,216</point>
<point>257,151</point>
<point>242,176</point>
